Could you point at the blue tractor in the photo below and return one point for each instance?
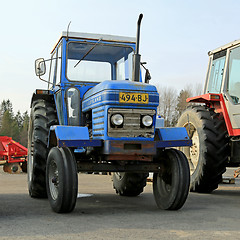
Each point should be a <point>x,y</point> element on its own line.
<point>99,115</point>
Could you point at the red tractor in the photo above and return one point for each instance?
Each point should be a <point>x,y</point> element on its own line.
<point>13,156</point>
<point>214,123</point>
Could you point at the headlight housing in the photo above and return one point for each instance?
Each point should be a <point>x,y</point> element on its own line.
<point>147,121</point>
<point>117,119</point>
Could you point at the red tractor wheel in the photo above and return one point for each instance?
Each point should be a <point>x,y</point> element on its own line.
<point>207,156</point>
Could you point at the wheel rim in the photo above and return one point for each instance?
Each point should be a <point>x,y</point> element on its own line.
<point>192,153</point>
<point>53,180</point>
<point>119,175</point>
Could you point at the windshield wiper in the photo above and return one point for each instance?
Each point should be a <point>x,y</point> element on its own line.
<point>99,40</point>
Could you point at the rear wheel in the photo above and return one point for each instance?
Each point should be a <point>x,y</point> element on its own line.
<point>129,184</point>
<point>209,151</point>
<point>171,184</point>
<point>62,180</point>
<point>43,115</point>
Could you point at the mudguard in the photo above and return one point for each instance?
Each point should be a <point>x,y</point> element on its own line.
<point>71,136</point>
<point>172,137</point>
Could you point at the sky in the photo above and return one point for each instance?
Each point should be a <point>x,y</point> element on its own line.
<point>175,37</point>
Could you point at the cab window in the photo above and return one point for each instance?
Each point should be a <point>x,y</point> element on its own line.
<point>216,72</point>
<point>98,62</point>
<point>59,64</point>
<point>73,104</point>
<point>52,74</point>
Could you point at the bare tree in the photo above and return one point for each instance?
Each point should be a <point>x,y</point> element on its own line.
<point>198,90</point>
<point>167,104</point>
<point>195,89</point>
<point>189,91</point>
<point>172,105</point>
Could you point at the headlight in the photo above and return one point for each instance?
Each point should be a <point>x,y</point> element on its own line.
<point>147,120</point>
<point>117,119</point>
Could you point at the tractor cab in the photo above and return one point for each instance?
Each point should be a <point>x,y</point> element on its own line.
<point>224,77</point>
<point>90,59</point>
<point>222,87</point>
<point>80,61</point>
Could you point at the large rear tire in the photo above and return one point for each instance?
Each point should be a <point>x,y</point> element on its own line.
<point>43,115</point>
<point>209,153</point>
<point>171,184</point>
<point>129,184</point>
<point>62,180</point>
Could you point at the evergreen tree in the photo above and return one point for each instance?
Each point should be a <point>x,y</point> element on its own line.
<point>24,130</point>
<point>9,126</point>
<point>181,101</point>
<point>7,106</point>
<point>6,124</point>
<point>19,119</point>
<point>13,126</point>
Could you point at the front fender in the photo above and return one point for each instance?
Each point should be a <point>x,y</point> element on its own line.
<point>71,136</point>
<point>172,137</point>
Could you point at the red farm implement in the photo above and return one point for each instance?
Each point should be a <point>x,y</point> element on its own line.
<point>12,155</point>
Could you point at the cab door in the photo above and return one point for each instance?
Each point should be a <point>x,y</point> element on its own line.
<point>232,87</point>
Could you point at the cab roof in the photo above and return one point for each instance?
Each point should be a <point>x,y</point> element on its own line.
<point>224,47</point>
<point>94,36</point>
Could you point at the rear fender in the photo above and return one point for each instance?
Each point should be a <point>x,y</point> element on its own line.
<point>208,98</point>
<point>42,94</point>
<point>216,101</point>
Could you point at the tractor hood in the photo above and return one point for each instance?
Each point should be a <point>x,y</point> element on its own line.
<point>110,92</point>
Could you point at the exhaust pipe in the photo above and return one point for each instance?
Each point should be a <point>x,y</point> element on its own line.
<point>136,55</point>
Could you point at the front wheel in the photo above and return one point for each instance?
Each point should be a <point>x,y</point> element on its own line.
<point>171,184</point>
<point>62,180</point>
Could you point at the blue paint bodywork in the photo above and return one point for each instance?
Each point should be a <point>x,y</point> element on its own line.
<point>97,99</point>
<point>172,137</point>
<point>73,136</point>
<point>106,95</point>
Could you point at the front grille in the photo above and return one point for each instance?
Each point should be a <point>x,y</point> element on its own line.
<point>132,123</point>
<point>98,122</point>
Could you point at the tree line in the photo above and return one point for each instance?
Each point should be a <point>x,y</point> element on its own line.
<point>13,125</point>
<point>172,104</point>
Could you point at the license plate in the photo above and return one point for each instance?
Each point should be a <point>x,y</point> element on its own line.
<point>133,97</point>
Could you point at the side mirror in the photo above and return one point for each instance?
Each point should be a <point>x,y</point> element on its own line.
<point>40,67</point>
<point>147,76</point>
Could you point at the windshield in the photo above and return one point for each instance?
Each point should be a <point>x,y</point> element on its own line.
<point>103,62</point>
<point>216,74</point>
